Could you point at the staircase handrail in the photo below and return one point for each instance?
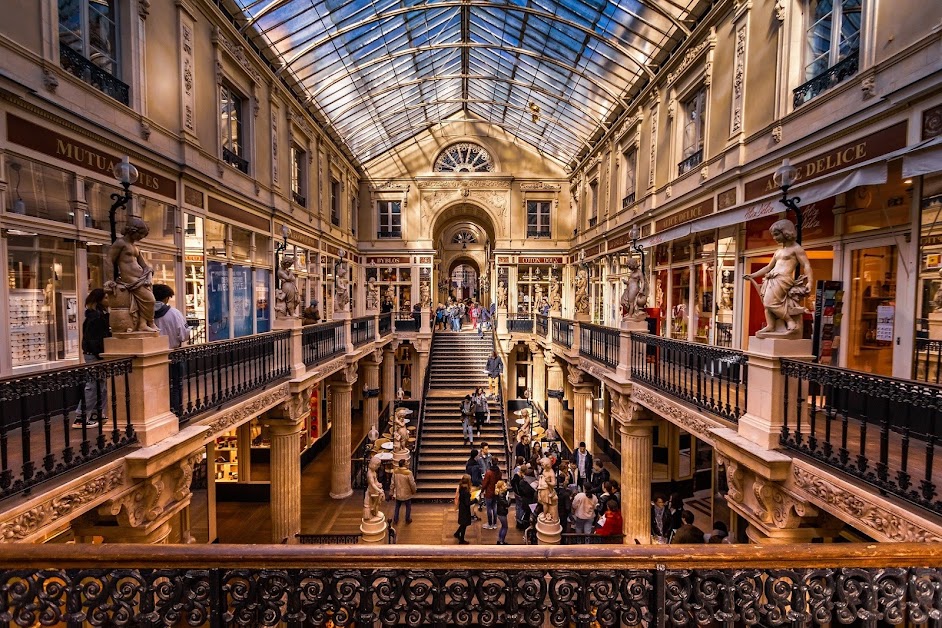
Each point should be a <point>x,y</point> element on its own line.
<point>420,419</point>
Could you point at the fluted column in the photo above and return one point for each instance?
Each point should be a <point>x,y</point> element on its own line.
<point>554,383</point>
<point>389,373</point>
<point>340,485</point>
<point>581,410</point>
<point>538,385</point>
<point>418,379</point>
<point>371,382</point>
<point>285,479</point>
<point>637,468</point>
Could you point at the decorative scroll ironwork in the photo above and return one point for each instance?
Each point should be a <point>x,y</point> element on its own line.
<point>204,377</point>
<point>536,596</point>
<point>690,163</point>
<point>724,335</point>
<point>882,430</point>
<point>542,324</point>
<point>521,325</point>
<point>711,378</point>
<point>600,344</point>
<point>45,414</point>
<point>928,361</point>
<point>105,82</point>
<point>835,74</point>
<point>571,538</point>
<point>562,332</point>
<point>362,330</point>
<point>235,161</point>
<point>296,197</point>
<point>323,341</point>
<point>328,539</point>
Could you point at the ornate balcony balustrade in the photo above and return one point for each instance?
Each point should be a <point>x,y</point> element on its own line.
<point>362,330</point>
<point>562,332</point>
<point>580,586</point>
<point>323,341</point>
<point>835,74</point>
<point>928,361</point>
<point>690,163</point>
<point>385,324</point>
<point>599,343</point>
<point>519,324</point>
<point>710,378</point>
<point>203,377</point>
<point>235,161</point>
<point>46,428</point>
<point>105,82</point>
<point>628,201</point>
<point>542,324</point>
<point>882,430</point>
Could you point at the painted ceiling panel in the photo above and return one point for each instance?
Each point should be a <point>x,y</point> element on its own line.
<point>550,72</point>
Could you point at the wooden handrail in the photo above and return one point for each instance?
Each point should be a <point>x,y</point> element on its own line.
<point>592,557</point>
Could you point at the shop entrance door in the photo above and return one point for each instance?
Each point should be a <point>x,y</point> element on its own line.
<point>870,294</point>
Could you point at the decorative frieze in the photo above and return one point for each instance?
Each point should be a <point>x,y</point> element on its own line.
<point>540,185</point>
<point>454,184</point>
<point>675,413</point>
<point>691,56</point>
<point>653,164</point>
<point>237,53</point>
<point>594,369</point>
<point>227,419</point>
<point>156,495</point>
<point>188,72</point>
<point>739,77</point>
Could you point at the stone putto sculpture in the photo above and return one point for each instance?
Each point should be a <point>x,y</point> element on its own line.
<point>400,431</point>
<point>373,499</point>
<point>501,296</point>
<point>286,297</point>
<point>582,292</point>
<point>546,493</point>
<point>425,294</point>
<point>554,297</point>
<point>341,283</point>
<point>132,289</point>
<point>372,294</point>
<point>782,293</point>
<point>635,295</point>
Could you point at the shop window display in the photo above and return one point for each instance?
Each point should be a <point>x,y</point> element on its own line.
<point>161,219</point>
<point>395,287</point>
<point>38,190</point>
<point>98,206</point>
<point>872,309</point>
<point>533,287</point>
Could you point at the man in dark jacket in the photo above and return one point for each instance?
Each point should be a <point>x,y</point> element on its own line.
<point>687,534</point>
<point>95,328</point>
<point>599,477</point>
<point>583,460</point>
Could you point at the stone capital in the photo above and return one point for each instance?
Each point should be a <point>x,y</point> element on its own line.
<point>154,496</point>
<point>577,379</point>
<point>550,359</point>
<point>349,374</point>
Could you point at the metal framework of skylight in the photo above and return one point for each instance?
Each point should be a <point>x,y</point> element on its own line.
<point>551,72</point>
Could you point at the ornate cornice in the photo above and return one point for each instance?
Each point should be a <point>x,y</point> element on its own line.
<point>61,506</point>
<point>238,54</point>
<point>859,510</point>
<point>691,56</point>
<point>676,414</point>
<point>390,186</point>
<point>470,184</point>
<point>227,419</point>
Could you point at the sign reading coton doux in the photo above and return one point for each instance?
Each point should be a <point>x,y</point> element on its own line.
<point>49,142</point>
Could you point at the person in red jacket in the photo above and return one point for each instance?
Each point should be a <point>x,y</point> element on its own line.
<point>491,478</point>
<point>613,522</point>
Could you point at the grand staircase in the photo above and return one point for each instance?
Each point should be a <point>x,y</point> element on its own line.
<point>456,368</point>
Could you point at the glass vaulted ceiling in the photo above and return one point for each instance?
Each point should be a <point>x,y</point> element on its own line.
<point>549,72</point>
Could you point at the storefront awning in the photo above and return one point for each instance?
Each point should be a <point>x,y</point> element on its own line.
<point>918,159</point>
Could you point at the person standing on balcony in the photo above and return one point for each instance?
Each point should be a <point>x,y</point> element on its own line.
<point>494,368</point>
<point>403,490</point>
<point>95,328</point>
<point>311,315</point>
<point>172,324</point>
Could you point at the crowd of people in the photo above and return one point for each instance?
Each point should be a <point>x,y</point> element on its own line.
<point>458,312</point>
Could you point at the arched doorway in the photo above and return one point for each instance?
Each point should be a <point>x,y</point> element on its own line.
<point>464,280</point>
<point>464,237</point>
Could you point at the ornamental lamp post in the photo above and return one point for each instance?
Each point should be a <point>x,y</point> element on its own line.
<point>634,234</point>
<point>784,177</point>
<point>279,249</point>
<point>126,174</point>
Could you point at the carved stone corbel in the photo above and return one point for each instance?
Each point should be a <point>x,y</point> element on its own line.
<point>154,496</point>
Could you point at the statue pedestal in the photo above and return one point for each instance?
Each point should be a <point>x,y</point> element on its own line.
<point>632,325</point>
<point>401,455</point>
<point>548,532</point>
<point>502,322</point>
<point>935,325</point>
<point>374,531</point>
<point>583,318</point>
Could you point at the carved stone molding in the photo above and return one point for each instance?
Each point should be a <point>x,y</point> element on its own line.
<point>671,108</point>
<point>653,155</point>
<point>777,507</point>
<point>350,373</point>
<point>143,8</point>
<point>691,56</point>
<point>61,506</point>
<point>156,495</point>
<point>575,377</point>
<point>777,133</point>
<point>540,185</point>
<point>676,414</point>
<point>623,409</point>
<point>549,358</point>
<point>299,121</point>
<point>860,510</point>
<point>144,128</point>
<point>237,53</point>
<point>236,415</point>
<point>596,370</point>
<point>454,184</point>
<point>390,186</point>
<point>50,82</point>
<point>739,77</point>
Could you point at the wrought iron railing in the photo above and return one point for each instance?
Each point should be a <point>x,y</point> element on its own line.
<point>297,198</point>
<point>628,201</point>
<point>562,332</point>
<point>323,341</point>
<point>599,343</point>
<point>927,362</point>
<point>882,430</point>
<point>389,234</point>
<point>571,538</point>
<point>385,324</point>
<point>102,80</point>
<point>235,161</point>
<point>724,335</point>
<point>593,221</point>
<point>538,233</point>
<point>406,322</point>
<point>520,324</point>
<point>51,422</point>
<point>203,377</point>
<point>690,163</point>
<point>542,324</point>
<point>357,585</point>
<point>835,74</point>
<point>362,330</point>
<point>710,378</point>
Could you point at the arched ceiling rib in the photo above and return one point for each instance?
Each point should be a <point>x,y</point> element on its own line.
<point>549,71</point>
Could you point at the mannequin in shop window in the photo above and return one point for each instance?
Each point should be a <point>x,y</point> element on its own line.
<point>783,293</point>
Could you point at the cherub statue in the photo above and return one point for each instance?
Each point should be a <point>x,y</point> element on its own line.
<point>425,294</point>
<point>635,294</point>
<point>554,298</point>
<point>341,283</point>
<point>286,297</point>
<point>501,295</point>
<point>372,294</point>
<point>546,493</point>
<point>373,497</point>
<point>582,292</point>
<point>782,293</point>
<point>400,431</point>
<point>134,275</point>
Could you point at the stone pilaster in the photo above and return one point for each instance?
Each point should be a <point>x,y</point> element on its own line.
<point>389,373</point>
<point>581,410</point>
<point>341,486</point>
<point>149,383</point>
<point>538,385</point>
<point>371,382</point>
<point>418,378</point>
<point>637,468</point>
<point>554,383</point>
<point>285,476</point>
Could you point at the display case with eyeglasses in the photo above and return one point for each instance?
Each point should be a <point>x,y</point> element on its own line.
<point>29,322</point>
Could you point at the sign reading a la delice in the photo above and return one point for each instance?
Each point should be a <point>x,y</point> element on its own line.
<point>874,145</point>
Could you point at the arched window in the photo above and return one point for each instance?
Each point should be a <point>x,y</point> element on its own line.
<point>464,158</point>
